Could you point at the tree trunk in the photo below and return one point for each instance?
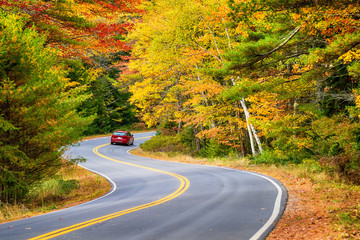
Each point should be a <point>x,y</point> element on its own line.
<point>251,129</point>
<point>247,115</point>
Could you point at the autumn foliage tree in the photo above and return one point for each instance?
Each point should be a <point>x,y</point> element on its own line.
<point>78,28</point>
<point>176,43</point>
<point>276,73</point>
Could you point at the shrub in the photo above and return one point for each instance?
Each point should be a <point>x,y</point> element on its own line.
<point>162,143</point>
<point>214,149</point>
<point>346,166</point>
<point>278,157</point>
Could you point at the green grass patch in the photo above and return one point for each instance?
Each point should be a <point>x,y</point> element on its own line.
<point>53,189</point>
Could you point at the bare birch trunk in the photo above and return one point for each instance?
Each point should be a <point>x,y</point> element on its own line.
<point>247,116</point>
<point>253,151</point>
<point>251,127</point>
<point>257,139</point>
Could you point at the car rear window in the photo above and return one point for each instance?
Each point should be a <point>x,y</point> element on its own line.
<point>119,133</point>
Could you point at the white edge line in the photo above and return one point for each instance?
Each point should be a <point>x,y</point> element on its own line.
<point>114,187</point>
<point>276,210</point>
<point>277,204</point>
<point>128,152</point>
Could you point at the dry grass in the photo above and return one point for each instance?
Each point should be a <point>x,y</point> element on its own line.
<point>90,186</point>
<point>319,206</point>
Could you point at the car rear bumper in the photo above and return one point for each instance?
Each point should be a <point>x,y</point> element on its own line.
<point>124,141</point>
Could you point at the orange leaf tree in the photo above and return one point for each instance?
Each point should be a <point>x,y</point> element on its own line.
<point>175,43</point>
<point>79,28</point>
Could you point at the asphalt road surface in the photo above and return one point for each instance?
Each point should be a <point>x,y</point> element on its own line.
<point>159,200</point>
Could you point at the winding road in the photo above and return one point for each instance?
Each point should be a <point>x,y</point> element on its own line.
<point>159,200</point>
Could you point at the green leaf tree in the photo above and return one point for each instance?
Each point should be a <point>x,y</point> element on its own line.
<point>38,105</point>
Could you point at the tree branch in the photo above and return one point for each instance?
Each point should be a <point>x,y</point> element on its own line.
<point>262,56</point>
<point>291,35</point>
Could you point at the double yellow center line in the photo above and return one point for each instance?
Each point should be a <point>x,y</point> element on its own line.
<point>184,185</point>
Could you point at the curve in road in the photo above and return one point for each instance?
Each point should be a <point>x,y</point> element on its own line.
<point>220,203</point>
<point>184,185</point>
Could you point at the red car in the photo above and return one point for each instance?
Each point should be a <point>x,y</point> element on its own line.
<point>122,137</point>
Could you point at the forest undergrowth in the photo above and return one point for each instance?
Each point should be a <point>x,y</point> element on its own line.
<point>72,185</point>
